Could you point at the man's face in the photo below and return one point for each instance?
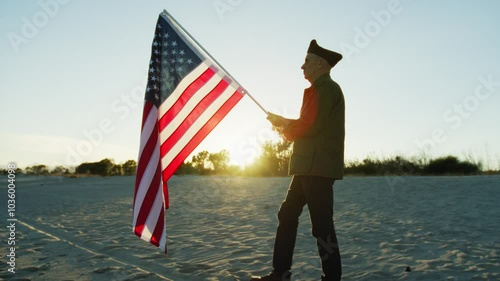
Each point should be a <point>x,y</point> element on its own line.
<point>311,66</point>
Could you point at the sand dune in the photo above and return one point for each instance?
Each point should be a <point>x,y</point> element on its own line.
<point>222,228</point>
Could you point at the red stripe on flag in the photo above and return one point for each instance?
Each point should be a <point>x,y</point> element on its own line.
<point>166,197</point>
<point>149,147</point>
<point>201,134</point>
<point>146,154</point>
<point>188,93</point>
<point>149,198</point>
<point>192,117</point>
<point>147,109</point>
<point>148,201</point>
<point>158,231</point>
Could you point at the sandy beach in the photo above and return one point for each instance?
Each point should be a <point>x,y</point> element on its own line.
<point>222,228</point>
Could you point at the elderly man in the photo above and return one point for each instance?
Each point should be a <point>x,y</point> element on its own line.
<point>316,162</point>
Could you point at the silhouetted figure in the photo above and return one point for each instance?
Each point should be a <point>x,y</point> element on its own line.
<point>317,161</point>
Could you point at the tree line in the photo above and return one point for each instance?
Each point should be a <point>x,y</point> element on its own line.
<point>105,167</point>
<point>273,162</point>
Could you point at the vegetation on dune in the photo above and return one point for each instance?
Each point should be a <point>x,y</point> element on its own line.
<point>107,167</point>
<point>449,165</point>
<point>272,162</point>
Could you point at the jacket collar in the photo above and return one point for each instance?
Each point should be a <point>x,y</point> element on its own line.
<point>318,81</point>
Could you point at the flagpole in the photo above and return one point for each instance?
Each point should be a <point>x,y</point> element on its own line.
<point>212,58</point>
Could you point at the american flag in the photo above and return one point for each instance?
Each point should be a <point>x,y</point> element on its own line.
<point>187,95</point>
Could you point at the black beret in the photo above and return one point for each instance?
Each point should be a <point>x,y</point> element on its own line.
<point>330,56</point>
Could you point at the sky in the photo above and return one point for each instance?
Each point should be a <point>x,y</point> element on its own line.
<point>420,78</point>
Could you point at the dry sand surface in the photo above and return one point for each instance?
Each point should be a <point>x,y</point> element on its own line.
<point>222,228</point>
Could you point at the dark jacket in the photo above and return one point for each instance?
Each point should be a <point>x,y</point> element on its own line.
<point>319,133</point>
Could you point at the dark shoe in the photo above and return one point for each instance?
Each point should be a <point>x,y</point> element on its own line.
<point>286,276</point>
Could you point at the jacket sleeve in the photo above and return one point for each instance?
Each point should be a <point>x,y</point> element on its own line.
<point>314,114</point>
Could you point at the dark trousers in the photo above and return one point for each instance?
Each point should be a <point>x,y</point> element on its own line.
<point>317,193</point>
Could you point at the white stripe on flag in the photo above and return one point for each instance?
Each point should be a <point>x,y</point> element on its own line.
<point>146,180</point>
<point>188,108</point>
<point>147,130</point>
<point>198,124</point>
<point>190,78</point>
<point>163,239</point>
<point>153,216</point>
